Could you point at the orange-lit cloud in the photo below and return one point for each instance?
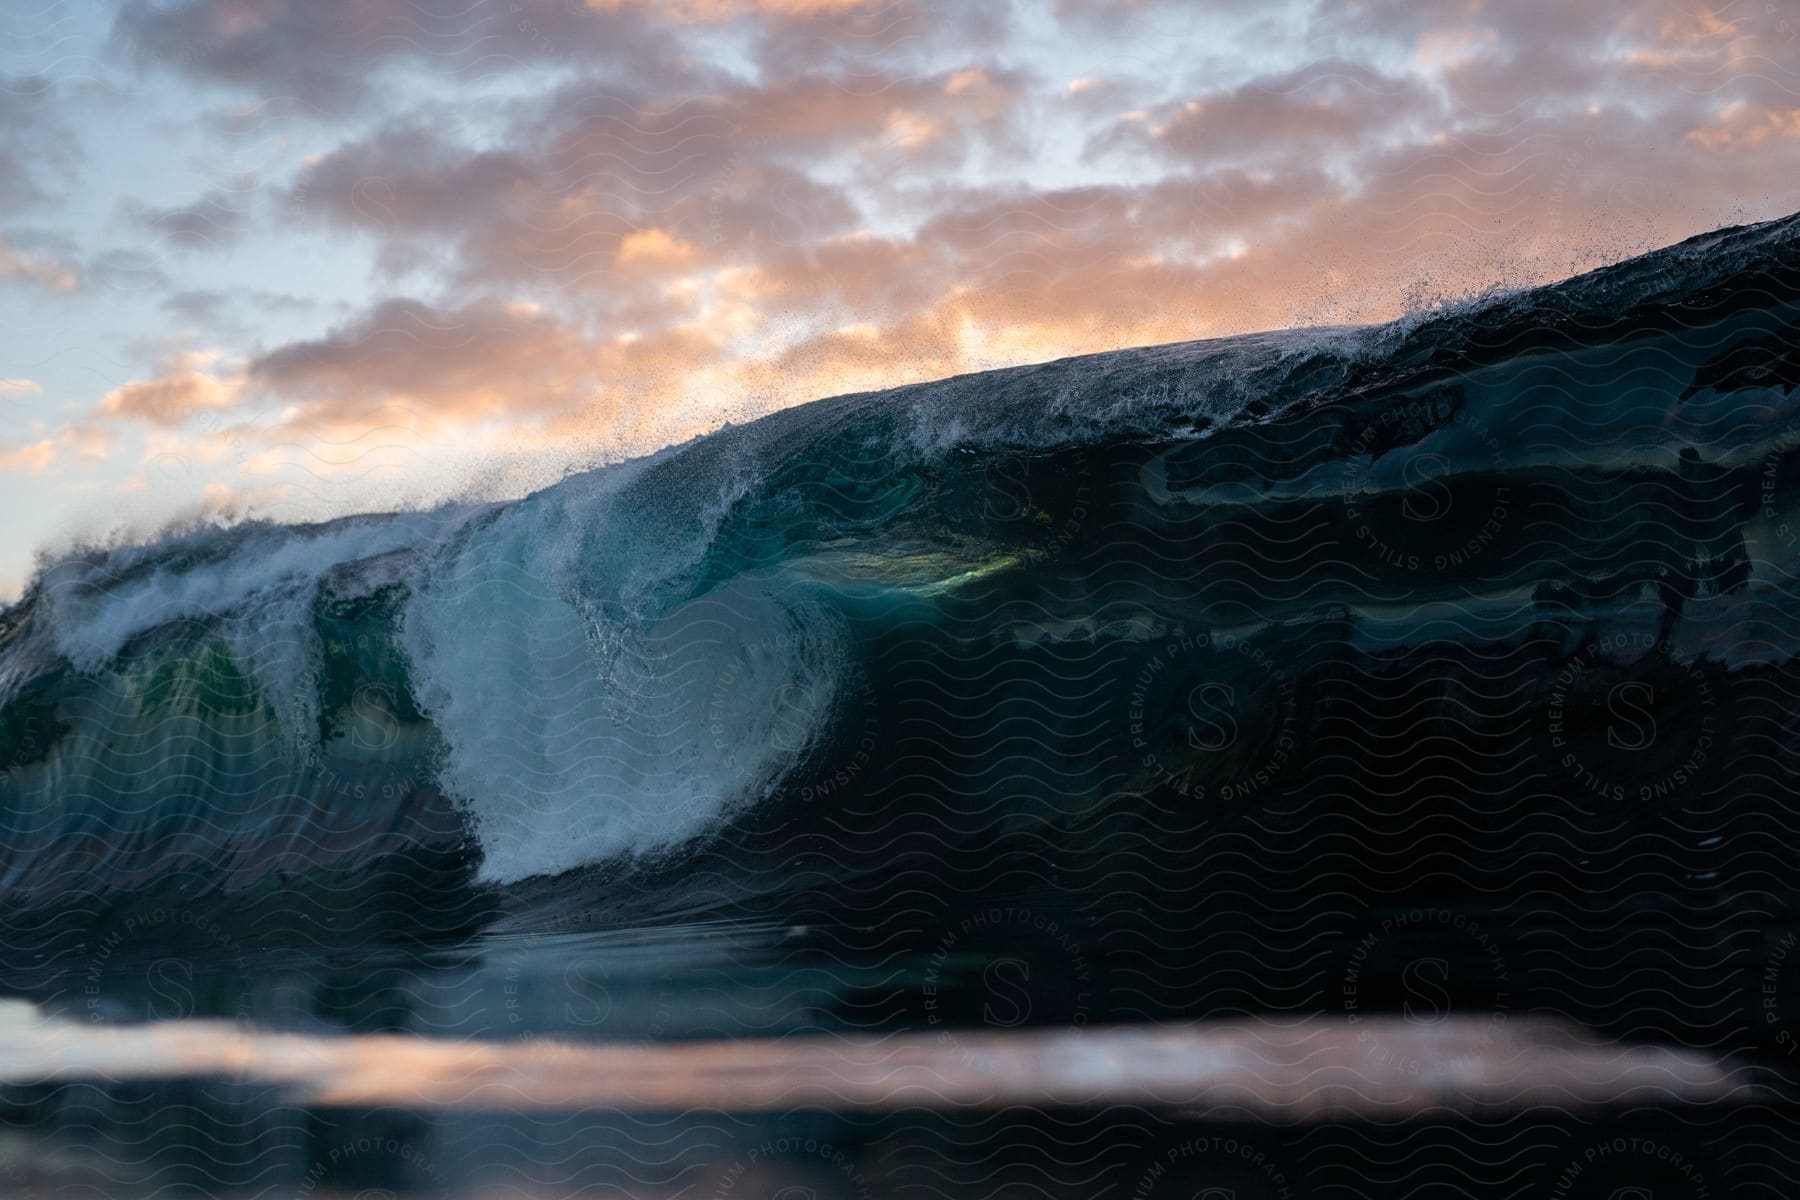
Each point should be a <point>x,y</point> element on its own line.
<point>83,442</point>
<point>1737,126</point>
<point>36,266</point>
<point>655,246</point>
<point>727,10</point>
<point>184,387</point>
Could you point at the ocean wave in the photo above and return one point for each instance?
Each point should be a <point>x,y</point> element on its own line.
<point>651,660</point>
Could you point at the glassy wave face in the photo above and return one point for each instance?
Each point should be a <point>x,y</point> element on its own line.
<point>1223,653</point>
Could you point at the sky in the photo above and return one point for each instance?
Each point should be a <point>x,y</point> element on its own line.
<point>287,259</point>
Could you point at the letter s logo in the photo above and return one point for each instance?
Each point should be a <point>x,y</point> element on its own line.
<point>376,727</point>
<point>1630,705</point>
<point>168,980</point>
<point>1009,1005</point>
<point>1008,493</point>
<point>1209,705</point>
<point>589,1000</point>
<point>1428,1000</point>
<point>1427,495</point>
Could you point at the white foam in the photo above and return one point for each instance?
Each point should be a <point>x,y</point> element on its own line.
<point>588,719</point>
<point>259,593</point>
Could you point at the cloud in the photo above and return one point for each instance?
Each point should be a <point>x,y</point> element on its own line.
<point>37,265</point>
<point>697,12</point>
<point>184,386</point>
<point>446,364</point>
<point>1331,103</point>
<point>586,173</point>
<point>721,249</point>
<point>875,37</point>
<point>33,458</point>
<point>329,56</point>
<point>214,221</point>
<point>84,441</point>
<point>34,140</point>
<point>123,269</point>
<point>1739,125</point>
<point>219,307</point>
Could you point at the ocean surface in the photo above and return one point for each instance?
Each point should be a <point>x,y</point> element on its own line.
<point>1333,762</point>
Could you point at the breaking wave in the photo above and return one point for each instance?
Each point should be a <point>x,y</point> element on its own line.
<point>645,661</point>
